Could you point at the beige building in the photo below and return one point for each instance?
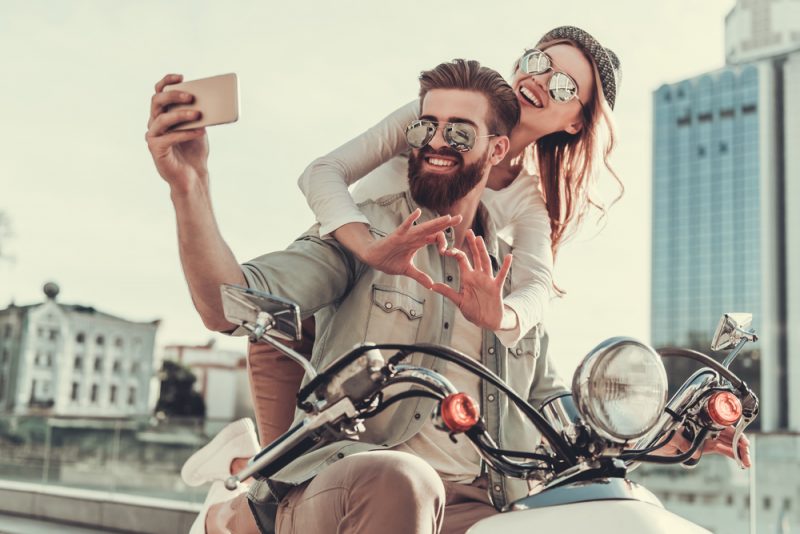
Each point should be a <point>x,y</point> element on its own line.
<point>72,360</point>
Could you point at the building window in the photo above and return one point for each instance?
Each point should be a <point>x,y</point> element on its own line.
<point>723,147</point>
<point>75,390</point>
<point>729,500</point>
<point>40,332</point>
<point>112,397</point>
<point>749,108</point>
<point>726,113</point>
<point>94,393</point>
<point>701,151</point>
<point>49,361</point>
<point>37,359</point>
<point>2,385</point>
<point>767,503</point>
<point>116,366</point>
<point>685,120</point>
<point>704,117</point>
<point>78,362</point>
<point>5,356</point>
<point>53,335</point>
<point>100,341</point>
<point>7,331</point>
<point>135,367</point>
<point>80,338</point>
<point>98,364</point>
<point>131,396</point>
<point>118,342</point>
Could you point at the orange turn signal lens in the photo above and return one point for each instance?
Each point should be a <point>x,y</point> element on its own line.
<point>459,412</point>
<point>724,408</point>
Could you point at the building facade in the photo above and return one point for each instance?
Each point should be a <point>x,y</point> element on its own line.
<point>726,204</point>
<point>221,379</point>
<point>71,360</point>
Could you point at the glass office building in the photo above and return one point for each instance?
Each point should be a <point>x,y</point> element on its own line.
<point>726,204</point>
<point>706,205</point>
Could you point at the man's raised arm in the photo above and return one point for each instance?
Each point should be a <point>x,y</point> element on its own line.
<point>181,158</point>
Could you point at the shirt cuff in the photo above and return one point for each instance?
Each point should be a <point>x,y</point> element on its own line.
<point>326,229</point>
<point>510,337</point>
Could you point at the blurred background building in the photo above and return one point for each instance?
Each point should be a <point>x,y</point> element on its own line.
<point>70,360</point>
<point>726,203</point>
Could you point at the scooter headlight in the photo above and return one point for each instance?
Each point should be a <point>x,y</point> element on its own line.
<point>621,389</point>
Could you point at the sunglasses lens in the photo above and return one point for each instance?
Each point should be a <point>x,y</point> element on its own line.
<point>535,62</point>
<point>460,136</point>
<point>420,133</point>
<point>562,87</point>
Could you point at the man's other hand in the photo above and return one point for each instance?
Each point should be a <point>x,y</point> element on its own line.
<point>480,298</point>
<point>394,254</point>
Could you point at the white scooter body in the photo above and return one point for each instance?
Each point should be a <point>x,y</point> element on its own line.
<point>599,506</point>
<point>594,517</point>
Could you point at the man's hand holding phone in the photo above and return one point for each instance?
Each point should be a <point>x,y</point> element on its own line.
<point>180,156</point>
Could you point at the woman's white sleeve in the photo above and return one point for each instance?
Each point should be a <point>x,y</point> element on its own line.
<point>324,182</point>
<point>532,271</point>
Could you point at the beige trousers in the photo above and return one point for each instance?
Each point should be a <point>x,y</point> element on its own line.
<point>386,492</point>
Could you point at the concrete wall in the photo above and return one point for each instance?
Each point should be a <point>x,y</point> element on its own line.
<point>114,512</point>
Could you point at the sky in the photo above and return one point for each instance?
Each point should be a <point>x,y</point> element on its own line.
<point>90,212</point>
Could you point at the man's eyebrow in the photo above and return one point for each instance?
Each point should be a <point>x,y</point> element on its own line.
<point>449,119</point>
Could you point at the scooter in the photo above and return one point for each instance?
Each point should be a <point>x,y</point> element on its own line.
<point>616,417</point>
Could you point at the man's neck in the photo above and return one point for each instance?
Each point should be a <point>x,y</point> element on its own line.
<point>467,207</point>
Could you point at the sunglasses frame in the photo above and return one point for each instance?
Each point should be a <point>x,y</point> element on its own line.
<point>448,128</point>
<point>559,79</point>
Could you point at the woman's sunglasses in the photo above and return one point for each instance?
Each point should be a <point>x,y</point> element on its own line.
<point>562,86</point>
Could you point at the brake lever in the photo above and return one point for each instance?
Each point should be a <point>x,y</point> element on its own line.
<point>749,413</point>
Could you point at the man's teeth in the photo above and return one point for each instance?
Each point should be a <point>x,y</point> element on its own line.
<point>530,96</point>
<point>441,162</point>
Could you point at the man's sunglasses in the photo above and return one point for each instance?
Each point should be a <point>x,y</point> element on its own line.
<point>562,86</point>
<point>459,135</point>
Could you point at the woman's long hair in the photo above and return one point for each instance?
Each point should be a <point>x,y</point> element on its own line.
<point>569,165</point>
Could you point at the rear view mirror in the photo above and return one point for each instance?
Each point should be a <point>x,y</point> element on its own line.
<point>255,310</point>
<point>732,328</point>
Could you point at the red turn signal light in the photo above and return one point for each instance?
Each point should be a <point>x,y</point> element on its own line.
<point>724,408</point>
<point>459,412</point>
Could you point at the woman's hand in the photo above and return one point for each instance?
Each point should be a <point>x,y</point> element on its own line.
<point>480,298</point>
<point>722,444</point>
<point>181,157</point>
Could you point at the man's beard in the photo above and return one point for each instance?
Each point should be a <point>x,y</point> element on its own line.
<point>440,191</point>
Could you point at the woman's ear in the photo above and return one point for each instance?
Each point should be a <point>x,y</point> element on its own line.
<point>574,127</point>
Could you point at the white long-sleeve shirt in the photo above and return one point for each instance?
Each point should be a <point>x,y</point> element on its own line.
<point>377,160</point>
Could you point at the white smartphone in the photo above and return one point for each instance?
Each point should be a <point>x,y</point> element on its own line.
<point>217,98</point>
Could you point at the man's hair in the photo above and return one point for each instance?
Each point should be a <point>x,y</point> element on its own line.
<point>469,75</point>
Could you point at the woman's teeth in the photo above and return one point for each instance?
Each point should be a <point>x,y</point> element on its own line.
<point>436,162</point>
<point>529,96</point>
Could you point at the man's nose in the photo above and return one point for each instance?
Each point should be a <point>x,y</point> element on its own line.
<point>438,140</point>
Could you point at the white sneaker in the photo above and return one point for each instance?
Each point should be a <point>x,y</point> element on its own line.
<point>217,493</point>
<point>213,462</point>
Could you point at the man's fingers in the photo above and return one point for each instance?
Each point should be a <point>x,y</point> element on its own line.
<point>441,242</point>
<point>165,141</point>
<point>461,258</point>
<point>410,220</point>
<point>421,277</point>
<point>436,225</point>
<point>486,262</point>
<point>474,250</point>
<point>169,79</point>
<point>165,121</point>
<point>160,101</point>
<point>501,275</point>
<point>448,292</point>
